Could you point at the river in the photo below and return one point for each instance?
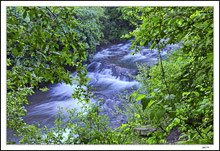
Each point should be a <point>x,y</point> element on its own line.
<point>109,73</point>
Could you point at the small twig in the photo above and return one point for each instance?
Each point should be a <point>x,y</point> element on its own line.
<point>163,74</point>
<point>191,123</point>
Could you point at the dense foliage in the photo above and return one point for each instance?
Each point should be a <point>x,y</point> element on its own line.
<point>89,27</point>
<point>41,43</point>
<point>174,94</point>
<point>179,92</point>
<point>117,25</point>
<point>39,46</point>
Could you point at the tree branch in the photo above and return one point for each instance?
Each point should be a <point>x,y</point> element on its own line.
<point>56,21</point>
<point>163,75</point>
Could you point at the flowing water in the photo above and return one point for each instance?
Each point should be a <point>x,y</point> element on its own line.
<point>109,73</point>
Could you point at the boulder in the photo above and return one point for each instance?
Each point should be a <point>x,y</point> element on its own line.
<point>143,131</point>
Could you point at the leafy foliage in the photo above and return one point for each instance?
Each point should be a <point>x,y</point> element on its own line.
<point>89,27</point>
<point>116,24</point>
<point>176,93</point>
<point>33,34</point>
<point>179,90</point>
<point>41,42</point>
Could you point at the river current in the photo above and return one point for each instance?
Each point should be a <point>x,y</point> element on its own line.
<point>109,73</point>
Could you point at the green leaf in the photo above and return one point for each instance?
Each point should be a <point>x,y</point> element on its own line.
<point>207,129</point>
<point>196,93</point>
<point>134,94</point>
<point>185,94</point>
<point>172,114</point>
<point>153,94</point>
<point>132,53</point>
<point>160,113</point>
<point>176,121</point>
<point>25,14</point>
<point>141,96</point>
<point>33,54</point>
<point>183,136</point>
<point>152,115</point>
<point>45,22</point>
<point>137,115</point>
<point>184,80</point>
<point>44,89</point>
<point>130,97</point>
<point>15,52</point>
<point>151,103</point>
<point>153,45</point>
<point>144,102</point>
<point>210,57</point>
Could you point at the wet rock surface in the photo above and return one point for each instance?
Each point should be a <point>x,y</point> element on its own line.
<point>173,137</point>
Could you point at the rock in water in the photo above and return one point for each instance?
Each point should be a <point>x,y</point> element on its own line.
<point>143,131</point>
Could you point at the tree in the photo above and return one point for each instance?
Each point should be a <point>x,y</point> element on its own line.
<point>41,42</point>
<point>117,23</point>
<point>179,91</point>
<point>34,38</point>
<point>89,27</point>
